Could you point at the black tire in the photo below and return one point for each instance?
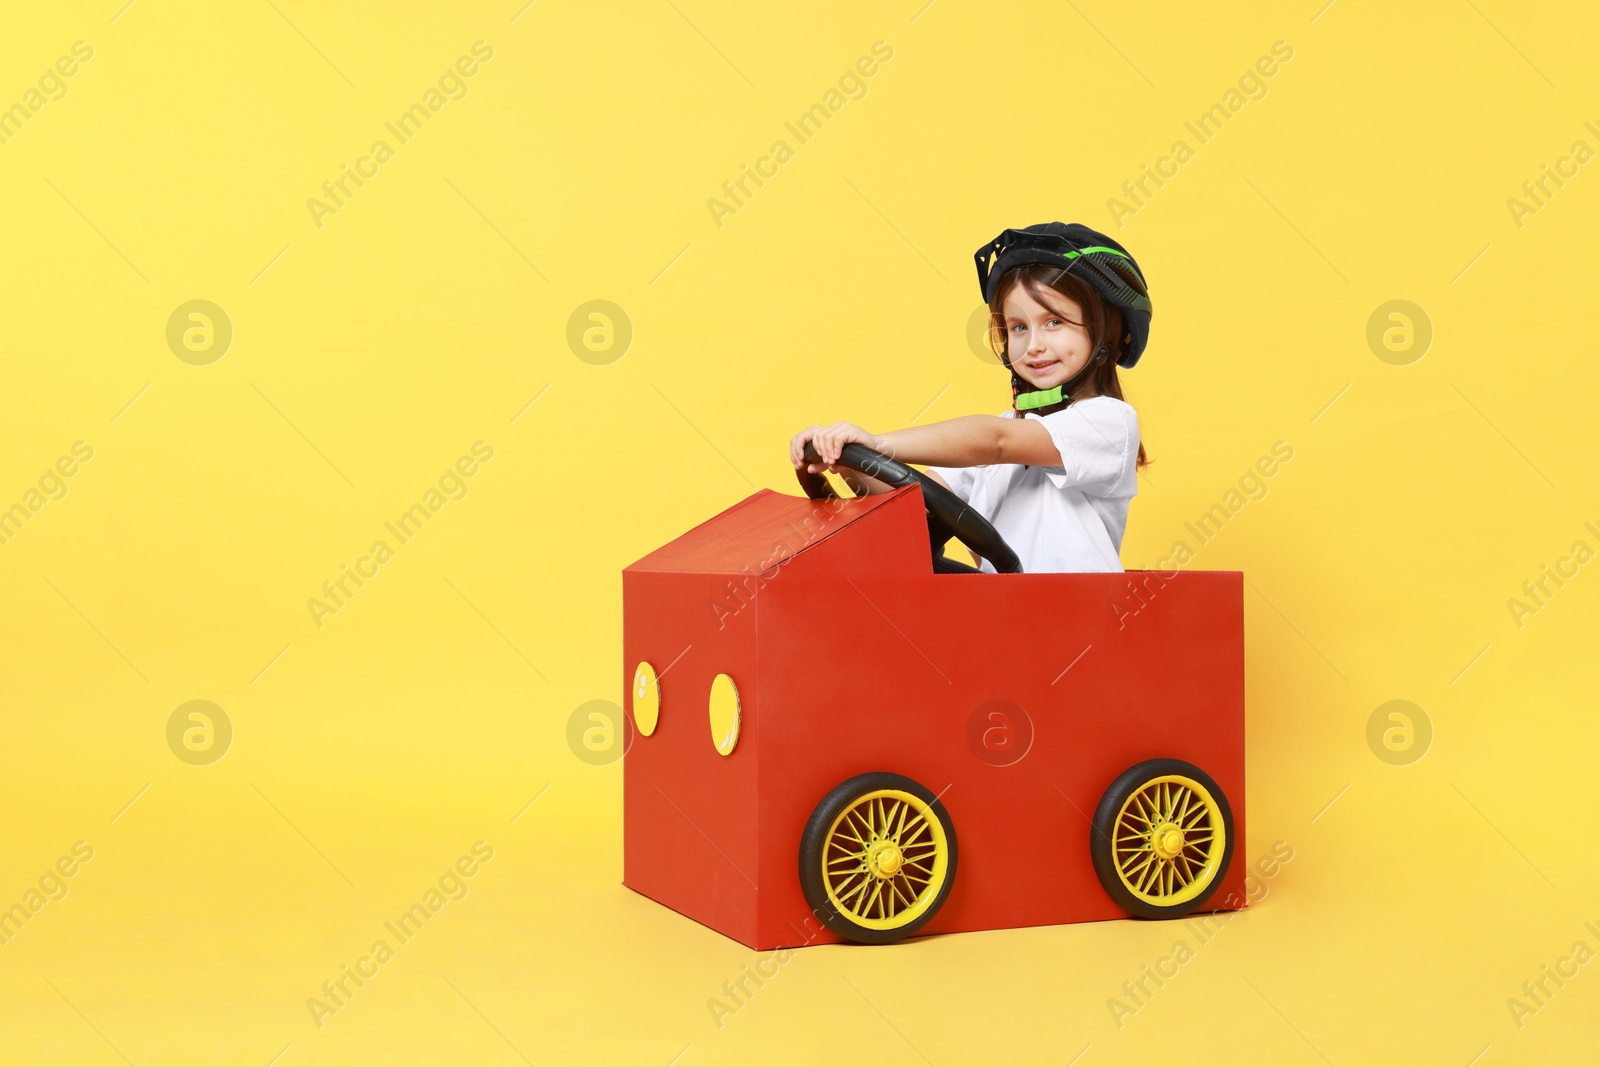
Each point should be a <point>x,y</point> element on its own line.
<point>928,894</point>
<point>1102,835</point>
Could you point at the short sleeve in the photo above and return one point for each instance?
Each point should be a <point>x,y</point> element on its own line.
<point>1098,439</point>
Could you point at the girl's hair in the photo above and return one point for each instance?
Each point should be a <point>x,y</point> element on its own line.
<point>1102,321</point>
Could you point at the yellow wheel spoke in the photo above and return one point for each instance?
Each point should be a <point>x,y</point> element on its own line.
<point>845,889</point>
<point>847,832</point>
<point>1145,809</point>
<point>921,820</point>
<point>1147,876</point>
<point>864,817</point>
<point>1152,874</point>
<point>845,879</point>
<point>1130,873</point>
<point>1186,797</point>
<point>863,904</point>
<point>1144,854</point>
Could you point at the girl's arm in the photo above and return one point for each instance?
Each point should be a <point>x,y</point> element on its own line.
<point>967,441</point>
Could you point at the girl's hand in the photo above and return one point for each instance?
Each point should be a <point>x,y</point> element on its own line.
<point>829,441</point>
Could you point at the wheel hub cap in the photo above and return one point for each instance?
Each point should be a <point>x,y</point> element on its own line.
<point>1167,840</point>
<point>886,863</point>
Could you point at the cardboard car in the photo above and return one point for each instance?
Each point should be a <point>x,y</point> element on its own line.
<point>839,734</point>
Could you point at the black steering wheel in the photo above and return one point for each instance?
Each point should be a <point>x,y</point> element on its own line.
<point>948,515</point>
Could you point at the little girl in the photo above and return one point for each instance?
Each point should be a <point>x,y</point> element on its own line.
<point>1054,474</point>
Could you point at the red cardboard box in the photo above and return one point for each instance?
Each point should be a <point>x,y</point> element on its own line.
<point>851,655</point>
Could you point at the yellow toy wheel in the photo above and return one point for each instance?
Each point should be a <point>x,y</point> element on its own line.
<point>877,858</point>
<point>1162,838</point>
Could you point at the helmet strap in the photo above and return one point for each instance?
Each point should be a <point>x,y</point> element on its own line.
<point>1025,398</point>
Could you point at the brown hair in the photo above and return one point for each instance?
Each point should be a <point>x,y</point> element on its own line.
<point>1102,322</point>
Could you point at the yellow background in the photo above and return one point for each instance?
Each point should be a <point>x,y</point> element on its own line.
<point>370,353</point>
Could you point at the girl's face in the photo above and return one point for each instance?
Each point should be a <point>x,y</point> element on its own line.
<point>1046,347</point>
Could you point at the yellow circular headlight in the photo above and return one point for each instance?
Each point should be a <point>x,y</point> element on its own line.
<point>724,708</point>
<point>646,699</point>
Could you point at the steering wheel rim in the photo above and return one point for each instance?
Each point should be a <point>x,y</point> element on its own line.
<point>948,515</point>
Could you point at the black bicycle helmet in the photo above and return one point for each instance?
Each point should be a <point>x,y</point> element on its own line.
<point>1090,255</point>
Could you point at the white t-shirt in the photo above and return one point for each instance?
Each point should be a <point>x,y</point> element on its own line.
<point>1066,518</point>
